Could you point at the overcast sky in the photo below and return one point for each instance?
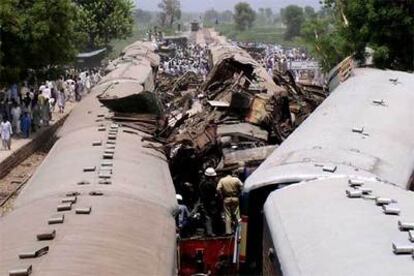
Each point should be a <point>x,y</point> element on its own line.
<point>202,5</point>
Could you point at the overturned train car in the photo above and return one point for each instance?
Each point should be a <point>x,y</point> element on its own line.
<point>101,203</point>
<point>130,81</point>
<point>360,134</point>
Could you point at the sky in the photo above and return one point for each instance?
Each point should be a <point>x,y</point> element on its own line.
<point>221,5</point>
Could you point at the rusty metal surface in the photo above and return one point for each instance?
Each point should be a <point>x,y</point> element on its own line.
<point>384,148</point>
<point>130,230</point>
<point>222,53</point>
<point>129,76</point>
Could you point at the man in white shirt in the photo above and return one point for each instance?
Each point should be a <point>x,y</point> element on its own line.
<point>5,133</point>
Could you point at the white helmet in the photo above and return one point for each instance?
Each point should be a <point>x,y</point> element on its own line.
<point>210,172</point>
<point>179,197</point>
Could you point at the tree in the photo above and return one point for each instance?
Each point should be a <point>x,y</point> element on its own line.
<point>104,20</point>
<point>293,17</point>
<point>170,11</point>
<point>211,15</point>
<point>35,35</point>
<point>269,15</point>
<point>385,26</point>
<point>325,41</point>
<point>142,16</point>
<point>226,16</point>
<point>309,12</point>
<point>244,16</point>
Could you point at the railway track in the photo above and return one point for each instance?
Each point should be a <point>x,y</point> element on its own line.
<point>14,181</point>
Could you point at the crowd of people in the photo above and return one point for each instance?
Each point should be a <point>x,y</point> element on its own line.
<point>26,108</point>
<point>192,58</point>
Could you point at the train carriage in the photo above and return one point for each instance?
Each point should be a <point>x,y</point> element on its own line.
<point>101,203</point>
<point>363,129</point>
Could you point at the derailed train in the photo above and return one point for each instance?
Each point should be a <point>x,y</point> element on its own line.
<point>102,202</point>
<point>334,198</point>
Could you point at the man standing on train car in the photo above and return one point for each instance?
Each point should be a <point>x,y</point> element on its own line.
<point>229,188</point>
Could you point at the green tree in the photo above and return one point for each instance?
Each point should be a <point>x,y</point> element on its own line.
<point>269,15</point>
<point>36,34</point>
<point>244,16</point>
<point>293,17</point>
<point>385,26</point>
<point>309,12</point>
<point>226,16</point>
<point>326,43</point>
<point>170,12</point>
<point>142,16</point>
<point>104,20</point>
<point>210,16</point>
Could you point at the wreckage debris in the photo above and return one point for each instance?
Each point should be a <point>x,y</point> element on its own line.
<point>236,114</point>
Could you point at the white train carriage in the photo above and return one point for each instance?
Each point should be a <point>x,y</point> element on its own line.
<point>363,130</point>
<point>326,227</point>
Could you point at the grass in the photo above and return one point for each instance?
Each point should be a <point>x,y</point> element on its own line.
<point>261,34</point>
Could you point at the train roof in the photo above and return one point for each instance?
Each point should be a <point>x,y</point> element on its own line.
<point>364,128</point>
<point>318,230</point>
<point>130,230</point>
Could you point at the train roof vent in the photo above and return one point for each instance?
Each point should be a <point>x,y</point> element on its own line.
<point>71,199</point>
<point>21,271</point>
<point>405,225</point>
<point>45,236</point>
<point>105,182</point>
<point>83,211</point>
<point>399,248</point>
<point>105,174</point>
<point>384,200</point>
<point>379,102</point>
<point>355,182</point>
<point>89,169</point>
<point>354,193</point>
<point>391,209</point>
<point>109,151</point>
<point>34,254</point>
<point>106,163</point>
<point>328,168</point>
<point>56,219</point>
<point>108,156</point>
<point>73,193</point>
<point>64,207</point>
<point>358,129</point>
<point>96,193</point>
<point>97,143</point>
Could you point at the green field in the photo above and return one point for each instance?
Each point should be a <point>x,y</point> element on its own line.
<point>264,34</point>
